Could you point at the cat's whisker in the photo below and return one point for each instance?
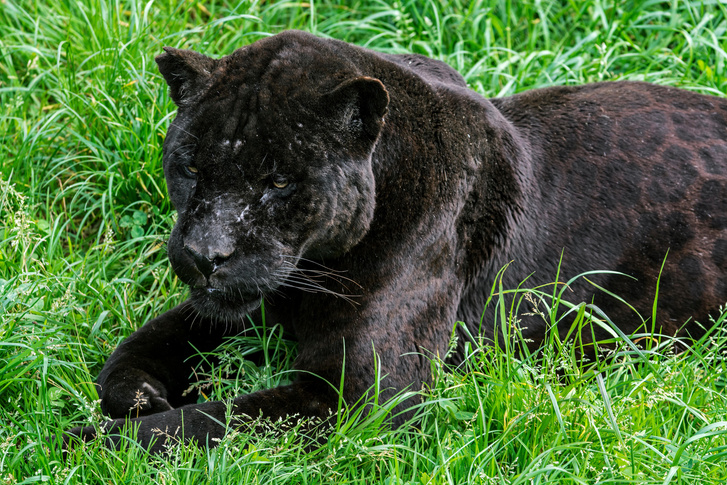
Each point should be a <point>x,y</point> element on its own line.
<point>316,275</point>
<point>289,276</point>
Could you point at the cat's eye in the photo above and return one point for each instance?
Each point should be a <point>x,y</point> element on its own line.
<point>280,183</point>
<point>191,170</point>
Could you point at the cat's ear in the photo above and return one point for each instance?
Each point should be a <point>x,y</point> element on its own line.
<point>360,104</point>
<point>184,71</point>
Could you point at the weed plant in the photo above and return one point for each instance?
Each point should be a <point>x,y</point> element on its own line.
<point>84,215</point>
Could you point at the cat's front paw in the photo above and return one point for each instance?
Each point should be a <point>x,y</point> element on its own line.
<point>132,393</point>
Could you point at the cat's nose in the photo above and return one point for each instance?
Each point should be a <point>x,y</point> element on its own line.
<point>208,261</point>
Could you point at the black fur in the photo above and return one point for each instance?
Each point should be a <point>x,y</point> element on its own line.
<point>298,165</point>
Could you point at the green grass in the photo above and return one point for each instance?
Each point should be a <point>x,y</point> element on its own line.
<point>84,215</point>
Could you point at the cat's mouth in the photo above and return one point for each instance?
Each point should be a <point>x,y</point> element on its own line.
<point>225,303</point>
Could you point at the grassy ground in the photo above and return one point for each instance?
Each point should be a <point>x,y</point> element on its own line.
<point>84,215</point>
